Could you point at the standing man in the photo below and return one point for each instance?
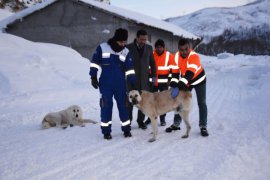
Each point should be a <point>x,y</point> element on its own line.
<point>164,60</point>
<point>192,75</point>
<point>116,64</point>
<point>142,56</point>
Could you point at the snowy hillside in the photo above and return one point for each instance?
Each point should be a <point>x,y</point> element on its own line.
<point>251,21</point>
<point>4,13</point>
<point>37,78</point>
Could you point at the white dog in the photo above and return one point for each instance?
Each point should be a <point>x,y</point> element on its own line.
<point>67,117</point>
<point>158,103</point>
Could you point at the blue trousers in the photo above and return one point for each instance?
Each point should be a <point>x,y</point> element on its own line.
<point>106,105</point>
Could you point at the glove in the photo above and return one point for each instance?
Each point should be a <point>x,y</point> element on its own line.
<point>174,92</point>
<point>94,82</point>
<point>154,81</point>
<point>183,86</point>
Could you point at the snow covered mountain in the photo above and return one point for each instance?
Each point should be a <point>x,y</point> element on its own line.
<point>227,29</point>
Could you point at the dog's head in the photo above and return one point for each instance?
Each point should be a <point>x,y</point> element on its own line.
<point>76,112</point>
<point>134,97</point>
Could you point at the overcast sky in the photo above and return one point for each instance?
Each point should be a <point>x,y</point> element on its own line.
<point>162,9</point>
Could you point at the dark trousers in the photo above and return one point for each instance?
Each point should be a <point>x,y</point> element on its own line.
<point>201,99</point>
<point>140,116</point>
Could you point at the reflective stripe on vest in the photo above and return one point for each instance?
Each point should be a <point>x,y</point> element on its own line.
<point>194,66</point>
<point>174,80</point>
<point>199,80</point>
<point>165,67</point>
<point>176,58</point>
<point>160,80</point>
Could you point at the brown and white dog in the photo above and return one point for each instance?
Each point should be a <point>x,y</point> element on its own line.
<point>67,117</point>
<point>158,103</point>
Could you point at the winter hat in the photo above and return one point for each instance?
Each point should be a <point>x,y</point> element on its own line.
<point>160,42</point>
<point>120,35</point>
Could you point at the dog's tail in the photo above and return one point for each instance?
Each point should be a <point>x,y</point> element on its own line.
<point>89,121</point>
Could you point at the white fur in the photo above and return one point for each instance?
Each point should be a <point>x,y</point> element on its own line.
<point>67,117</point>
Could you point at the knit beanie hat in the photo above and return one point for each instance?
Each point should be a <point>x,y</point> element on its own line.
<point>120,35</point>
<point>160,42</point>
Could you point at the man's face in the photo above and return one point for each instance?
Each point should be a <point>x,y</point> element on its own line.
<point>184,50</point>
<point>159,50</point>
<point>141,40</point>
<point>121,43</point>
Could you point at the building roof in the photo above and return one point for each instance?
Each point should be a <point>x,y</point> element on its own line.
<point>126,14</point>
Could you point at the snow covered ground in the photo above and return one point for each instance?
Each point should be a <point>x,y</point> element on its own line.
<point>4,13</point>
<point>37,78</point>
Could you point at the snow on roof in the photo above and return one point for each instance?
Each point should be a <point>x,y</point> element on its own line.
<point>127,14</point>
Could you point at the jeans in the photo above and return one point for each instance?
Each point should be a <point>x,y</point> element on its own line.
<point>200,90</point>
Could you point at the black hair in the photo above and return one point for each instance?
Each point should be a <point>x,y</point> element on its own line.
<point>160,42</point>
<point>141,32</point>
<point>183,41</point>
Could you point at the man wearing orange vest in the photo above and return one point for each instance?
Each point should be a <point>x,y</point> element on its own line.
<point>164,60</point>
<point>192,75</point>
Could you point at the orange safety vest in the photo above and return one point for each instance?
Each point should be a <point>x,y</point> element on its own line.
<point>163,66</point>
<point>190,63</point>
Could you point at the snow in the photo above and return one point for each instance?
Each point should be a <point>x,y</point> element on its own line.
<point>4,13</point>
<point>127,14</point>
<point>202,23</point>
<point>37,78</point>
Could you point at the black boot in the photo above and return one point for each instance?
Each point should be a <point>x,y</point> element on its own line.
<point>127,134</point>
<point>107,136</point>
<point>172,128</point>
<point>142,125</point>
<point>204,132</point>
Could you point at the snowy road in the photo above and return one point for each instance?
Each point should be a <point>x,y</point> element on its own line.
<point>40,78</point>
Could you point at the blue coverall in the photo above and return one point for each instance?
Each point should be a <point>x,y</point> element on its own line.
<point>116,69</point>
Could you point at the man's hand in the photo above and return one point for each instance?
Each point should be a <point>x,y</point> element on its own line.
<point>94,82</point>
<point>174,92</point>
<point>183,86</point>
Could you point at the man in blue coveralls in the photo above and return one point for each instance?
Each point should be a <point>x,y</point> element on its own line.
<point>116,64</point>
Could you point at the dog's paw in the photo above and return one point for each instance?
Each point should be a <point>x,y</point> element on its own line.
<point>71,125</point>
<point>151,140</point>
<point>64,127</point>
<point>83,125</point>
<point>185,136</point>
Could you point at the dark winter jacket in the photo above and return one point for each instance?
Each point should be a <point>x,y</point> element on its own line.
<point>141,64</point>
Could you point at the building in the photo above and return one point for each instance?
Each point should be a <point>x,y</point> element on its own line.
<point>84,24</point>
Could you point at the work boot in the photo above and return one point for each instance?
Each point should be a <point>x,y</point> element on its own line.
<point>204,132</point>
<point>142,125</point>
<point>107,136</point>
<point>172,128</point>
<point>127,134</point>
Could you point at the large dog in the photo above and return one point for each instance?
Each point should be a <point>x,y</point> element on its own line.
<point>67,117</point>
<point>158,103</point>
